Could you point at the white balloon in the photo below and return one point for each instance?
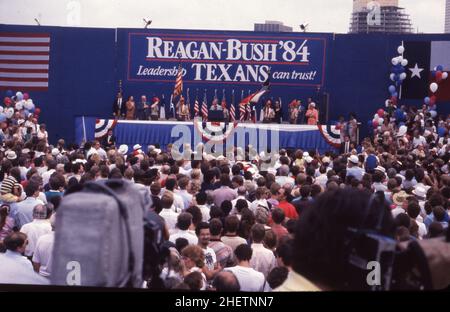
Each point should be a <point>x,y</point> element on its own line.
<point>405,62</point>
<point>394,61</point>
<point>1,109</point>
<point>444,75</point>
<point>392,76</point>
<point>19,105</point>
<point>400,59</point>
<point>387,103</point>
<point>434,87</point>
<point>401,49</point>
<point>28,104</point>
<point>380,121</point>
<point>402,76</point>
<point>376,117</point>
<point>9,112</point>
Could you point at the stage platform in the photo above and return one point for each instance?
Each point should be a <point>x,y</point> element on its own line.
<point>131,132</point>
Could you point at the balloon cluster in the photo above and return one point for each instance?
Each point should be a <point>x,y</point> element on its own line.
<point>438,74</point>
<point>398,73</point>
<point>378,118</point>
<point>20,102</point>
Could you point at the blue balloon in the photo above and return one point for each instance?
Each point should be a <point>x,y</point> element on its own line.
<point>395,94</point>
<point>399,115</point>
<point>32,108</point>
<point>392,89</point>
<point>439,68</point>
<point>427,100</point>
<point>19,96</point>
<point>433,73</point>
<point>2,117</point>
<point>9,93</point>
<point>26,112</point>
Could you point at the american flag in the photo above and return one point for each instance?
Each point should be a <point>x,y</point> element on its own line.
<point>205,108</point>
<point>241,112</point>
<point>24,61</point>
<point>232,109</point>
<point>196,107</point>
<point>178,83</point>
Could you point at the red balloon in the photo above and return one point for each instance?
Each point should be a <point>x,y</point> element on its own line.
<point>37,111</point>
<point>375,124</point>
<point>7,101</point>
<point>380,113</point>
<point>26,96</point>
<point>438,75</point>
<point>433,99</point>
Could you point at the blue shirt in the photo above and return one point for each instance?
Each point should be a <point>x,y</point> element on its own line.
<point>24,212</point>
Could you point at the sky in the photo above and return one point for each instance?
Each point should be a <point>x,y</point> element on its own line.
<point>321,15</point>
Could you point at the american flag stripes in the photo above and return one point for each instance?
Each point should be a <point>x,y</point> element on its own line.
<point>232,109</point>
<point>196,107</point>
<point>205,108</point>
<point>178,82</point>
<point>24,61</point>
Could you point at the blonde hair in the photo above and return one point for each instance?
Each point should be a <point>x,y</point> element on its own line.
<point>195,253</point>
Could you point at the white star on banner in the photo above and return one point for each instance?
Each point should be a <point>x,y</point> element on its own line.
<point>416,70</point>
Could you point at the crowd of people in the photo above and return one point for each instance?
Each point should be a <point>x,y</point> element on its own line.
<point>229,224</point>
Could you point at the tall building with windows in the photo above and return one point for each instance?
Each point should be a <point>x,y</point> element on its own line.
<point>447,17</point>
<point>272,26</point>
<point>384,17</point>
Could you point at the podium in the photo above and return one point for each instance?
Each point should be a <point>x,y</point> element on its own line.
<point>216,116</point>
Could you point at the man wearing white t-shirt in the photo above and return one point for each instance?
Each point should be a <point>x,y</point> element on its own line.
<point>414,212</point>
<point>184,221</point>
<point>418,139</point>
<point>167,212</point>
<point>42,257</point>
<point>200,201</point>
<point>211,266</point>
<point>263,260</point>
<point>249,279</point>
<point>241,191</point>
<point>37,228</point>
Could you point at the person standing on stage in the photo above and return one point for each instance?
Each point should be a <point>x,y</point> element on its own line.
<point>343,128</point>
<point>293,112</point>
<point>278,112</point>
<point>183,110</point>
<point>312,114</point>
<point>352,128</point>
<point>301,112</point>
<point>154,109</point>
<point>130,109</point>
<point>226,113</point>
<point>119,106</point>
<point>141,110</point>
<point>268,112</point>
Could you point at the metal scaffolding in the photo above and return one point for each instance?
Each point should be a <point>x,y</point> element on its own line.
<point>394,20</point>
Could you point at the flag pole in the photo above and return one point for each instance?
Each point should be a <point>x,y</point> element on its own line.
<point>401,86</point>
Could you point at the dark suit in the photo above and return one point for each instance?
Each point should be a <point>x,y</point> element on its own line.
<point>109,141</point>
<point>342,148</point>
<point>119,111</point>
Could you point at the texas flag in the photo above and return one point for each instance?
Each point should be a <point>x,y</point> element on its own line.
<point>423,57</point>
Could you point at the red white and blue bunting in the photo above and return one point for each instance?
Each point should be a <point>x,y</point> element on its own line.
<point>102,126</point>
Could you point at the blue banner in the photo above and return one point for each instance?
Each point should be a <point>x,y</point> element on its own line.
<point>228,58</point>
